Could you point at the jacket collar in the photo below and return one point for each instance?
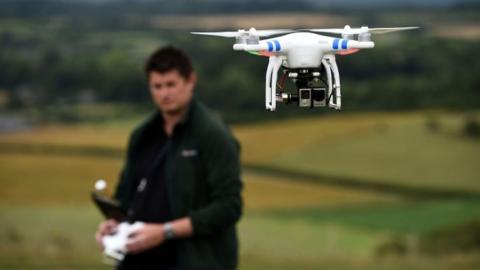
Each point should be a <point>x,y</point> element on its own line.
<point>157,118</point>
<point>188,113</point>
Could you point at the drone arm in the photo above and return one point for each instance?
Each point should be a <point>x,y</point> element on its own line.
<point>338,44</point>
<point>353,44</point>
<point>250,47</point>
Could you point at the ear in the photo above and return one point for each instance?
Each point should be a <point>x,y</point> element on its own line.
<point>192,80</point>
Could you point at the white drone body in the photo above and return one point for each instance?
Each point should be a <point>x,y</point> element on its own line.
<point>307,58</point>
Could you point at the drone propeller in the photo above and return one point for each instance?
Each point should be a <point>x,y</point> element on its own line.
<point>242,32</point>
<point>364,29</point>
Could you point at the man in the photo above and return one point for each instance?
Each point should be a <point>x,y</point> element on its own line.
<point>181,178</point>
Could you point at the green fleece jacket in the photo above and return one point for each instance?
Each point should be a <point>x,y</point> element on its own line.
<point>203,182</point>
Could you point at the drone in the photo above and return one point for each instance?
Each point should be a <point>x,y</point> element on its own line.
<point>307,58</point>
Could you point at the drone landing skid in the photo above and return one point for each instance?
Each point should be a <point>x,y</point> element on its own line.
<point>334,94</point>
<point>274,64</point>
<point>306,96</point>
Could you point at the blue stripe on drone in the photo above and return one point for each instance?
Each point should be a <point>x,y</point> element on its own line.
<point>344,43</point>
<point>270,46</point>
<point>277,45</point>
<point>335,44</point>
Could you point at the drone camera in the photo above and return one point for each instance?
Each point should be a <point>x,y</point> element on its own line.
<point>312,97</point>
<point>305,95</point>
<point>319,97</point>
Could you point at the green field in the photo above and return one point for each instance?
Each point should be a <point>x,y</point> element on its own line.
<point>47,221</point>
<point>407,153</point>
<point>397,149</point>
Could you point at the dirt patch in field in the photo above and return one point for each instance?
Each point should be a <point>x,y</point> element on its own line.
<point>463,31</point>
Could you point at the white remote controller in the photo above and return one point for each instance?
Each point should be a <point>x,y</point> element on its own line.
<point>115,244</point>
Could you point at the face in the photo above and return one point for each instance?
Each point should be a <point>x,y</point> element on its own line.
<point>171,92</point>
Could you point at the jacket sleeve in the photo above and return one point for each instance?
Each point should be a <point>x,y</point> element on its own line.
<point>222,164</point>
<point>124,186</point>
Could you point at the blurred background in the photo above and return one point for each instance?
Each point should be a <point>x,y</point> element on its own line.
<point>390,182</point>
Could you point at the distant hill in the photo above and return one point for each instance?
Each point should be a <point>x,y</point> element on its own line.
<point>312,3</point>
<point>116,7</point>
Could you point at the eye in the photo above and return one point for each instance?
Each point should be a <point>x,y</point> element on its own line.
<point>171,84</point>
<point>157,86</point>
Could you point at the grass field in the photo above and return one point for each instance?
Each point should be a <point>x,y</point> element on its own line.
<point>60,237</point>
<point>385,148</point>
<point>47,221</point>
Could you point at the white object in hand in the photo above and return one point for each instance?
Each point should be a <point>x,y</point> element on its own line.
<point>115,244</point>
<point>100,185</point>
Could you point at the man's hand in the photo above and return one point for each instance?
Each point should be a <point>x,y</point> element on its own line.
<point>147,237</point>
<point>107,227</point>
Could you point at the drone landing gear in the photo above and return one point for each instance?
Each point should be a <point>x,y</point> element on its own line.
<point>334,94</point>
<point>274,64</point>
<point>306,94</point>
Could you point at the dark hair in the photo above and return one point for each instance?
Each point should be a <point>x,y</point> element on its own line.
<point>169,58</point>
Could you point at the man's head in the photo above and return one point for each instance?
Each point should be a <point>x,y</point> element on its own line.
<point>171,79</point>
